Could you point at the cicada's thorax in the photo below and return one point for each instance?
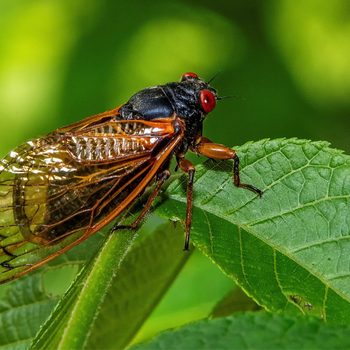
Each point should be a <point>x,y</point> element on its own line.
<point>173,100</point>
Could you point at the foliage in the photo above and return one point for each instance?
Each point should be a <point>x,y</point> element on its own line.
<point>252,331</point>
<point>286,64</point>
<point>283,250</point>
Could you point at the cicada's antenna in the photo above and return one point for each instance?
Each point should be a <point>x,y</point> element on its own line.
<point>225,97</point>
<point>219,98</point>
<point>213,77</point>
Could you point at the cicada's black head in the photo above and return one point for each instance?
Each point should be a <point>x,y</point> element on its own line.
<point>191,99</point>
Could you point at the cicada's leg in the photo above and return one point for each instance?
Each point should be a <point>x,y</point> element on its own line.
<point>161,178</point>
<point>189,169</point>
<point>11,256</point>
<point>213,150</point>
<point>7,265</point>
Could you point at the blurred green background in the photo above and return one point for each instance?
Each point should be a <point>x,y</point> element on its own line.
<point>287,64</point>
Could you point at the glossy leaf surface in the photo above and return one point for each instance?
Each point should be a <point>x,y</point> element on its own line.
<point>252,331</point>
<point>290,249</point>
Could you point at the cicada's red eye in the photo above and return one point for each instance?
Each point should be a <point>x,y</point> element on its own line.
<point>188,76</point>
<point>208,100</point>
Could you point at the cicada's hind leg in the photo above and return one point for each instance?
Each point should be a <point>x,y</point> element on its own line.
<point>189,169</point>
<point>161,178</point>
<point>213,150</point>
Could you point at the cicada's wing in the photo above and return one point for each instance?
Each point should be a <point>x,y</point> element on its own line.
<point>58,190</point>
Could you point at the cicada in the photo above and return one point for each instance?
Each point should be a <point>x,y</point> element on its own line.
<point>57,190</point>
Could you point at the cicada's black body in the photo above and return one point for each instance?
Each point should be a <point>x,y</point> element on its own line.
<point>165,101</point>
<point>57,190</point>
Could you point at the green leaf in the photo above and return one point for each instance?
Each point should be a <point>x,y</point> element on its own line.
<point>115,293</point>
<point>290,249</point>
<point>27,302</point>
<point>23,309</point>
<point>252,331</point>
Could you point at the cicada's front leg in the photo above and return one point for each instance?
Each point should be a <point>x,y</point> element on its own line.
<point>207,148</point>
<point>187,167</point>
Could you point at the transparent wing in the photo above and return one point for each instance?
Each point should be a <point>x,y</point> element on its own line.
<point>57,190</point>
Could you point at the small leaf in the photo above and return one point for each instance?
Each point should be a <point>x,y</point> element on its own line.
<point>23,309</point>
<point>290,249</point>
<point>26,303</point>
<point>252,331</point>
